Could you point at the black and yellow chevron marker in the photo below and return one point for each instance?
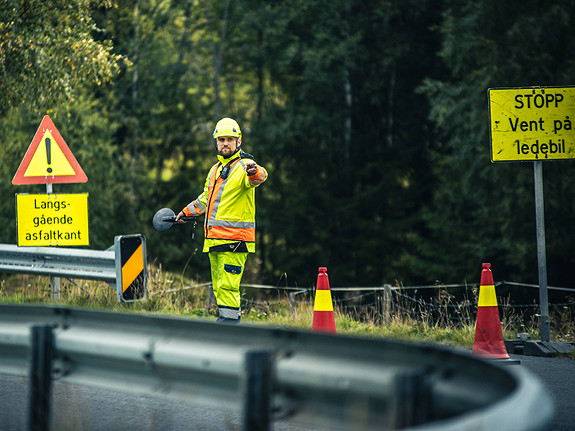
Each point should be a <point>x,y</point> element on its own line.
<point>131,271</point>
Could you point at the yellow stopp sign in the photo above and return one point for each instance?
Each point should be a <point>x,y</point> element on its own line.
<point>52,219</point>
<point>532,124</point>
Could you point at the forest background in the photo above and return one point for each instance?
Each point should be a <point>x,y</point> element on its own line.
<point>370,116</point>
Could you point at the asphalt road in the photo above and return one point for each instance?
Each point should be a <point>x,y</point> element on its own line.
<point>78,408</point>
<point>558,377</point>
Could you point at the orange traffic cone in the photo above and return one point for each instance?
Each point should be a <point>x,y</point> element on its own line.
<point>488,335</point>
<point>323,317</point>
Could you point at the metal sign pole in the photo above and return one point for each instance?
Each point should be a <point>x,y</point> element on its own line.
<point>541,254</point>
<point>54,281</point>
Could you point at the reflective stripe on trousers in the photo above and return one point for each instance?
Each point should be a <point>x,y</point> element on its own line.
<point>227,269</point>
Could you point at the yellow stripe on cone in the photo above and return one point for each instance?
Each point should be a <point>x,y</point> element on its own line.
<point>487,296</point>
<point>322,301</point>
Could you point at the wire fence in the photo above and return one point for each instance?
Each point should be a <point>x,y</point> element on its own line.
<point>439,304</point>
<point>444,305</point>
<point>455,303</point>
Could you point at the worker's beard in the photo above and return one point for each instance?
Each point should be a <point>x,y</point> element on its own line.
<point>226,153</point>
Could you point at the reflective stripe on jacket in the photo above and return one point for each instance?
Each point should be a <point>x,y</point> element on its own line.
<point>228,203</point>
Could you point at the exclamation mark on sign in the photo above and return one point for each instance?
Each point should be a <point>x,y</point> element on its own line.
<point>48,155</point>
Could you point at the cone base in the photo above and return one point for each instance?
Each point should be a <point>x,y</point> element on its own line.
<point>488,335</point>
<point>489,355</point>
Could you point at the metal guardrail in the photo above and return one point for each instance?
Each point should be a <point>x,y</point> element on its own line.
<point>105,265</point>
<point>60,262</point>
<point>337,382</point>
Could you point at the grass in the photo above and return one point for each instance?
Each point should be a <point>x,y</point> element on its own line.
<point>170,294</point>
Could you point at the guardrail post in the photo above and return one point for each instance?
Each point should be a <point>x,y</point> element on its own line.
<point>291,304</point>
<point>40,377</point>
<point>257,390</point>
<point>414,397</point>
<point>386,304</point>
<point>211,297</point>
<point>55,285</point>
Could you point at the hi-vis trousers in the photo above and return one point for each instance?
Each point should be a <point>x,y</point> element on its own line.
<point>227,270</point>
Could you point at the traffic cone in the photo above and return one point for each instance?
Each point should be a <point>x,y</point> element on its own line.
<point>488,335</point>
<point>323,317</point>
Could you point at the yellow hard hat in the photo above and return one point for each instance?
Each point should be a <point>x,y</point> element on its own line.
<point>227,127</point>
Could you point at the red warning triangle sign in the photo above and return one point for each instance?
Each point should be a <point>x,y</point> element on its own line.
<point>48,159</point>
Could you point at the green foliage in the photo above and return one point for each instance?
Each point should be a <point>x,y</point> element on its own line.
<point>371,118</point>
<point>480,211</point>
<point>346,137</point>
<point>48,50</point>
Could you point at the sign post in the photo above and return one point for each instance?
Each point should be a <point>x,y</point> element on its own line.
<point>49,160</point>
<point>544,325</point>
<point>534,124</point>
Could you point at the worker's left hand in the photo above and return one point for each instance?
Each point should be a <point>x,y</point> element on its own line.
<point>251,168</point>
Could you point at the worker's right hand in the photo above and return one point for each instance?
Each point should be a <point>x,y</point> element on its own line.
<point>179,217</point>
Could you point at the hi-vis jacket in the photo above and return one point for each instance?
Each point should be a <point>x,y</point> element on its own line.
<point>228,202</point>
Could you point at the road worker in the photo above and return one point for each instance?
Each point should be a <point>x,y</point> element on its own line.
<point>228,202</point>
